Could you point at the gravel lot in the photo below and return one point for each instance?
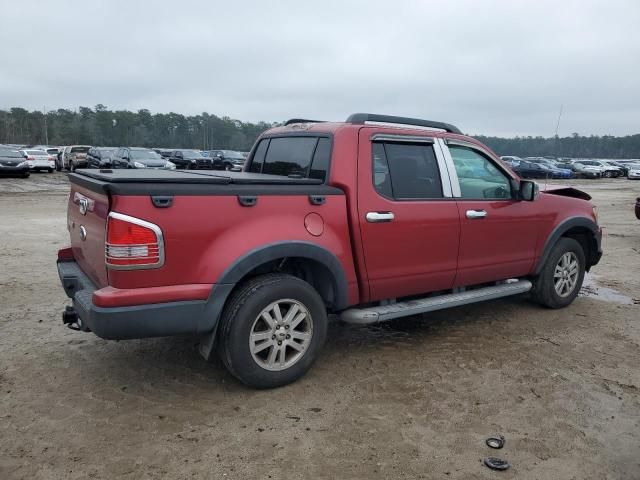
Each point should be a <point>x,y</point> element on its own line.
<point>411,399</point>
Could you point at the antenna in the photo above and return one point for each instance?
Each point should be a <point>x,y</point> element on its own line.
<point>558,124</point>
<point>46,131</point>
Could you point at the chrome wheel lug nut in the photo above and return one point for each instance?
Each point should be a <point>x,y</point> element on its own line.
<point>287,327</point>
<point>279,343</point>
<point>288,336</point>
<point>273,337</point>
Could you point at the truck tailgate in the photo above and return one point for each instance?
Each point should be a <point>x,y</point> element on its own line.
<point>86,221</point>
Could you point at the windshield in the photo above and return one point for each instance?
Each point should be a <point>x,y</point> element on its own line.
<point>192,154</point>
<point>80,149</point>
<point>35,152</point>
<point>9,153</point>
<point>232,154</point>
<point>52,151</point>
<point>144,155</point>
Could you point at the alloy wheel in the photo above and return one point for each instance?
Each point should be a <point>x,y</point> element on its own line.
<point>565,275</point>
<point>281,334</point>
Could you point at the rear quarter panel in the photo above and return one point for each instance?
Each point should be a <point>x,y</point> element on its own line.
<point>205,235</point>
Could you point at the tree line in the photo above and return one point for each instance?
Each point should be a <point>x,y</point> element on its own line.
<point>104,127</point>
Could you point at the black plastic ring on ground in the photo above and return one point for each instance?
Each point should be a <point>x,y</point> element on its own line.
<point>496,463</point>
<point>495,442</point>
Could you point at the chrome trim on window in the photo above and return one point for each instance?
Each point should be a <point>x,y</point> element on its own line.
<point>141,266</point>
<point>450,168</point>
<point>386,137</point>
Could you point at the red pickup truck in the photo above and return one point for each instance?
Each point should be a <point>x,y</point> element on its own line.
<point>372,219</point>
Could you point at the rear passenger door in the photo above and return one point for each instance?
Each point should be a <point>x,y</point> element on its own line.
<point>498,232</point>
<point>409,221</point>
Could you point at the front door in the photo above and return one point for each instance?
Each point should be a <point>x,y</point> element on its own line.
<point>498,232</point>
<point>409,221</point>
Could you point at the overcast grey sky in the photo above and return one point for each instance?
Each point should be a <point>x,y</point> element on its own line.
<point>498,68</point>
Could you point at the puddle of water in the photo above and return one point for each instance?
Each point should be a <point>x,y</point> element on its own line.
<point>591,289</point>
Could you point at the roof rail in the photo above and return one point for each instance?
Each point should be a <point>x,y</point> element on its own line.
<point>374,117</point>
<point>301,120</point>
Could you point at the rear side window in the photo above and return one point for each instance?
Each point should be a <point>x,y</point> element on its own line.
<point>321,157</point>
<point>404,171</point>
<point>258,157</point>
<point>307,157</point>
<point>289,156</point>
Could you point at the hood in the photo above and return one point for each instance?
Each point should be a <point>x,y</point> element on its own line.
<point>565,191</point>
<point>11,161</point>
<point>152,163</point>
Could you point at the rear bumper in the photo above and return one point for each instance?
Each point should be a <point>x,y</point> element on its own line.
<point>140,321</point>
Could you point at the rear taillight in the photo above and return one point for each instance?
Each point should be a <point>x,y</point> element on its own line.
<point>132,243</point>
<point>30,157</point>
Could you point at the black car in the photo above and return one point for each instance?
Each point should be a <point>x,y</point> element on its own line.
<point>532,170</point>
<point>13,163</point>
<point>227,159</point>
<point>100,157</point>
<point>136,157</point>
<point>190,159</point>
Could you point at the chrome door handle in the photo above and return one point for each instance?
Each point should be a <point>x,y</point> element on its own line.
<point>380,217</point>
<point>475,214</point>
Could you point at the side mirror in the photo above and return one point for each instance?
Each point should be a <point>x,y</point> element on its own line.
<point>528,190</point>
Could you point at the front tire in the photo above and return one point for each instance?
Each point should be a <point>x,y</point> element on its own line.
<point>562,275</point>
<point>271,331</point>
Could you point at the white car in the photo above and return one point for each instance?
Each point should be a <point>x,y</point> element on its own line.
<point>39,160</point>
<point>634,172</point>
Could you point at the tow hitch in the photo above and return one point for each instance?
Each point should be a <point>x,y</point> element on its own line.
<point>71,320</point>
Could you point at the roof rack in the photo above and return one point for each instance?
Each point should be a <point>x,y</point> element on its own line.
<point>374,117</point>
<point>301,120</point>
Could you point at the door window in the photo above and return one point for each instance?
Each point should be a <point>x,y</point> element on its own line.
<point>405,171</point>
<point>479,178</point>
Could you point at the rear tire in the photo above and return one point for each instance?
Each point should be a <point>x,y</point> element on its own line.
<point>271,331</point>
<point>562,275</point>
<point>50,170</point>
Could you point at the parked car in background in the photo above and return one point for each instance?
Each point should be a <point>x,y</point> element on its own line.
<point>190,159</point>
<point>552,166</point>
<point>59,158</point>
<point>100,157</point>
<point>608,171</point>
<point>164,152</point>
<point>138,157</point>
<point>527,169</point>
<point>227,159</point>
<point>12,162</point>
<point>622,166</point>
<point>581,171</point>
<point>39,160</point>
<point>511,160</point>
<point>75,156</point>
<point>634,171</point>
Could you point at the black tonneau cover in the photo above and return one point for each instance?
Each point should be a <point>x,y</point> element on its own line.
<point>195,182</point>
<point>143,175</point>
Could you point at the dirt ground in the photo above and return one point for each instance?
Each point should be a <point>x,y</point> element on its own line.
<point>414,398</point>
